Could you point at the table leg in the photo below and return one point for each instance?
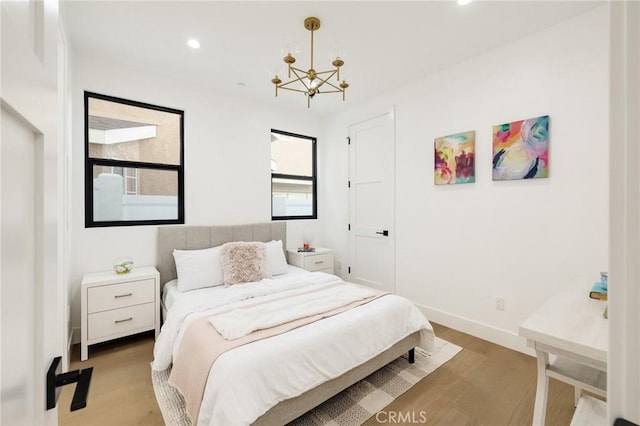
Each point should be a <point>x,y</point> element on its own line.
<point>542,389</point>
<point>84,351</point>
<point>577,393</point>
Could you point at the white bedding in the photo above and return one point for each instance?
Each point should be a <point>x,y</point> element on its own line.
<point>287,365</point>
<point>240,322</point>
<point>170,293</point>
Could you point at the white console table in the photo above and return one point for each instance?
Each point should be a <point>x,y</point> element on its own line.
<point>571,328</point>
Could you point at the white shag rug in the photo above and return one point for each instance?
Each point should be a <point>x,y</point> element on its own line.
<point>351,407</point>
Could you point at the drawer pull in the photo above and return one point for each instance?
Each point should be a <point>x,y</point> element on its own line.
<point>117,296</point>
<point>123,320</point>
<point>319,262</point>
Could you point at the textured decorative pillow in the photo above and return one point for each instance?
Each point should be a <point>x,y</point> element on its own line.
<point>198,268</point>
<point>244,262</point>
<point>275,257</point>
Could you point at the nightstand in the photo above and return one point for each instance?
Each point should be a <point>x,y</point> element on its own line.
<point>319,260</point>
<point>117,305</point>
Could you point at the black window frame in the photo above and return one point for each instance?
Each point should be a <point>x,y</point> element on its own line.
<point>313,179</point>
<point>90,162</point>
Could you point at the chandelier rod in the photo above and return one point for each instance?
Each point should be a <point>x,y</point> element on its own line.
<point>312,31</point>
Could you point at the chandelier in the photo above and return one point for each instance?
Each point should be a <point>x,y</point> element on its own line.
<point>311,82</point>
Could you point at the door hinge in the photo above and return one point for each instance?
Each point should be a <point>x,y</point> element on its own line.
<point>348,140</point>
<point>349,270</point>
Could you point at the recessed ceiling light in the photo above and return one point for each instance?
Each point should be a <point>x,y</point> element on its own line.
<point>193,43</point>
<point>464,2</point>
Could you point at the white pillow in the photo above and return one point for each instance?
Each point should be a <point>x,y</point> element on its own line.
<point>275,258</point>
<point>198,268</point>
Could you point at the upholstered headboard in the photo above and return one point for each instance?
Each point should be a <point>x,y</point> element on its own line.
<point>199,237</point>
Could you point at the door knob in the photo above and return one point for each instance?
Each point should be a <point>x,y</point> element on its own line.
<point>384,232</point>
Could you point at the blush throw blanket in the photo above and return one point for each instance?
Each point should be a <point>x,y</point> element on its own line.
<point>206,338</point>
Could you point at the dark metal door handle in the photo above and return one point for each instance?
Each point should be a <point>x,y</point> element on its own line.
<point>55,379</point>
<point>384,232</point>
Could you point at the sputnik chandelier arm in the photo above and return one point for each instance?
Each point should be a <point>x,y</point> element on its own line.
<point>310,81</point>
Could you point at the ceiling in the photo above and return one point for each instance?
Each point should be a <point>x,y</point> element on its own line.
<point>388,43</point>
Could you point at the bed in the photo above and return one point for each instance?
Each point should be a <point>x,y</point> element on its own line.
<point>235,373</point>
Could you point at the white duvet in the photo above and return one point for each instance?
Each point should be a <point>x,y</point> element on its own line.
<point>242,322</point>
<point>247,381</point>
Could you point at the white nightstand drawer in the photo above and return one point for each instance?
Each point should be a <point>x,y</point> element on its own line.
<point>318,262</point>
<point>121,295</point>
<point>118,321</point>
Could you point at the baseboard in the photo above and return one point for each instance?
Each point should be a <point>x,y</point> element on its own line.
<point>477,329</point>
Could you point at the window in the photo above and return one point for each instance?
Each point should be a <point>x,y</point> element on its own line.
<point>134,171</point>
<point>293,176</point>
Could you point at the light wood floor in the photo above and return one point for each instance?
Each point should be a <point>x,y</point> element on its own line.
<point>485,384</point>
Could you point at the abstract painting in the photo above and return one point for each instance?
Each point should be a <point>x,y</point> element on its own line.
<point>521,149</point>
<point>455,159</point>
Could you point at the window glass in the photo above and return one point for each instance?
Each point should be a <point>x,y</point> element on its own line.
<point>127,132</point>
<point>293,176</point>
<point>292,197</point>
<point>126,194</point>
<point>291,155</point>
<point>134,173</point>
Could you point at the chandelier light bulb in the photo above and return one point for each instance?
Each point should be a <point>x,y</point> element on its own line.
<point>336,52</point>
<point>291,50</point>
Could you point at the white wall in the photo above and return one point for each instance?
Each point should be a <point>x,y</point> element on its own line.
<point>227,162</point>
<point>461,246</point>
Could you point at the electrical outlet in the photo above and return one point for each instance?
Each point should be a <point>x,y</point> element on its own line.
<point>500,303</point>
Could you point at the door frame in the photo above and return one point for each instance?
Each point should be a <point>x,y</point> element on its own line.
<point>623,373</point>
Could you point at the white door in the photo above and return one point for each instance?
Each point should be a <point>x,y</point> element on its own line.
<point>18,272</point>
<point>32,320</point>
<point>372,202</point>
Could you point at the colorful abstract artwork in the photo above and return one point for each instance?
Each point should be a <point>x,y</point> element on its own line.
<point>455,159</point>
<point>521,149</point>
